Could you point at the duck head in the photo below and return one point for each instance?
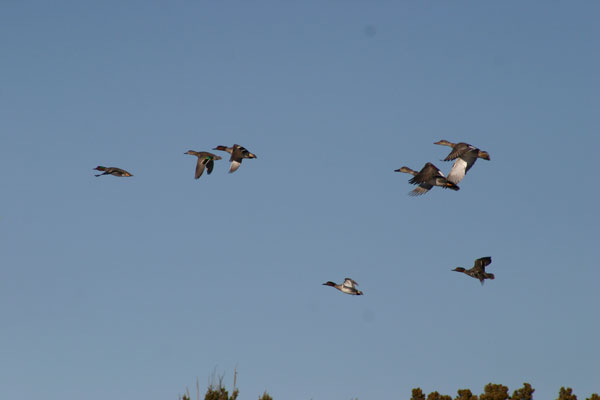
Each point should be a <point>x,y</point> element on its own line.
<point>444,142</point>
<point>329,283</point>
<point>459,269</point>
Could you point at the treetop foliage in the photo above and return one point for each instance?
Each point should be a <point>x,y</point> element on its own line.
<point>217,391</point>
<point>265,396</point>
<point>465,394</point>
<point>525,393</point>
<point>493,391</point>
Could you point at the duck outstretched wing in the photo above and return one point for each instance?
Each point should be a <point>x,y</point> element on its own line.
<point>351,283</point>
<point>482,262</point>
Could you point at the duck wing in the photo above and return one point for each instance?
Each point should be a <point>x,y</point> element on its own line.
<point>470,157</point>
<point>210,165</point>
<point>118,172</point>
<point>421,189</point>
<point>458,171</point>
<point>242,151</point>
<point>235,164</point>
<point>349,283</point>
<point>462,165</point>
<point>426,174</point>
<point>200,167</point>
<point>236,158</point>
<point>481,263</point>
<point>458,150</point>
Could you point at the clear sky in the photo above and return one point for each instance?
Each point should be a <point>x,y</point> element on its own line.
<point>114,288</point>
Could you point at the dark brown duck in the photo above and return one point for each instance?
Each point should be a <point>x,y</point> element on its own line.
<point>478,270</point>
<point>112,171</point>
<point>348,287</point>
<point>428,177</point>
<point>238,153</point>
<point>465,156</point>
<point>205,161</point>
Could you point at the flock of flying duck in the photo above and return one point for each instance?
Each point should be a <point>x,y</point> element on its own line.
<point>206,161</point>
<point>429,176</point>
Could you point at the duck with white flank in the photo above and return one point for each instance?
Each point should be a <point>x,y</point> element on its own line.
<point>238,153</point>
<point>465,156</point>
<point>348,287</point>
<point>205,159</point>
<point>112,171</point>
<point>478,270</point>
<point>428,177</point>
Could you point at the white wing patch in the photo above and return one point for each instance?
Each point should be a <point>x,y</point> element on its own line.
<point>234,166</point>
<point>350,283</point>
<point>458,171</point>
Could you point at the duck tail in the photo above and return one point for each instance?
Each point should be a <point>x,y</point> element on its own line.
<point>452,186</point>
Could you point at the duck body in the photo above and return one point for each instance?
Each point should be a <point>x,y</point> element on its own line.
<point>478,270</point>
<point>348,287</point>
<point>112,171</point>
<point>465,156</point>
<point>205,161</point>
<point>238,153</point>
<point>428,177</point>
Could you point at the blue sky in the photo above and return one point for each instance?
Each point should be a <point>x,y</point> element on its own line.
<point>132,288</point>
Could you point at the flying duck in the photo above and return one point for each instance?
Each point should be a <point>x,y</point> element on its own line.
<point>112,171</point>
<point>478,270</point>
<point>238,153</point>
<point>205,159</point>
<point>465,156</point>
<point>428,177</point>
<point>348,287</point>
